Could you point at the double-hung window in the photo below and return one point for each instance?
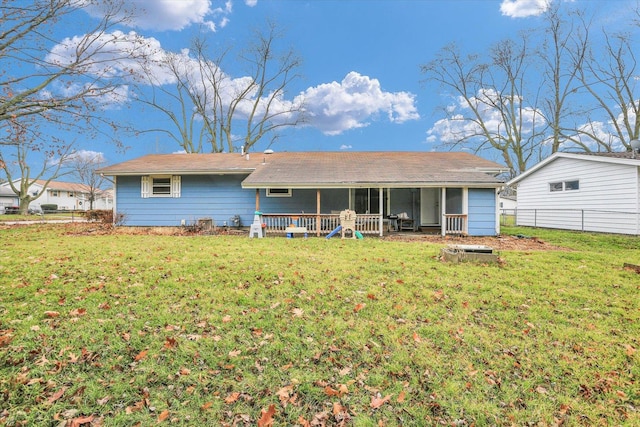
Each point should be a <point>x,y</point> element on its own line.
<point>160,186</point>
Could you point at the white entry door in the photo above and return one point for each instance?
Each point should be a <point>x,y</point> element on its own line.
<point>430,213</point>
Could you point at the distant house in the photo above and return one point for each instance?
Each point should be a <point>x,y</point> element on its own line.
<point>448,193</point>
<point>7,197</point>
<point>508,203</point>
<point>590,192</point>
<point>66,195</point>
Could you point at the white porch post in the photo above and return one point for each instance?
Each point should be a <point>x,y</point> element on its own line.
<point>443,204</point>
<point>318,212</point>
<point>381,204</point>
<point>497,202</point>
<point>465,208</point>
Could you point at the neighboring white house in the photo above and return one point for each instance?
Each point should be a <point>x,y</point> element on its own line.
<point>508,203</point>
<point>66,195</point>
<point>589,192</point>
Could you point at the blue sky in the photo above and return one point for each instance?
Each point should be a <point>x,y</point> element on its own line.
<point>361,58</point>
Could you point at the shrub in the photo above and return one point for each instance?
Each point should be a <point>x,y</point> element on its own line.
<point>49,207</point>
<point>104,216</point>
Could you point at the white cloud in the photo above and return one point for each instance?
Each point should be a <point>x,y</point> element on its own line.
<point>336,107</point>
<point>333,108</point>
<point>87,156</point>
<point>524,8</point>
<point>109,55</point>
<point>163,15</point>
<point>251,3</point>
<point>462,124</point>
<point>346,147</point>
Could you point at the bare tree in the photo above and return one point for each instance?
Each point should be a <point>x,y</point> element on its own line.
<point>610,79</point>
<point>211,110</point>
<point>518,102</point>
<point>494,115</point>
<point>23,138</point>
<point>562,55</point>
<point>68,83</point>
<point>83,165</point>
<point>58,84</point>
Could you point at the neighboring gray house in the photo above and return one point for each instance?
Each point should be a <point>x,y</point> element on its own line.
<point>590,192</point>
<point>448,193</point>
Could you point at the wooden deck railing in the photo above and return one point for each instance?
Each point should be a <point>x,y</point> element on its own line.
<point>323,224</point>
<point>318,224</point>
<point>455,224</point>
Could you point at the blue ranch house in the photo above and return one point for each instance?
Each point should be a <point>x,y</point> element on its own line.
<point>443,193</point>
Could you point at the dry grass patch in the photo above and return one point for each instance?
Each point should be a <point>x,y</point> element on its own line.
<point>105,328</point>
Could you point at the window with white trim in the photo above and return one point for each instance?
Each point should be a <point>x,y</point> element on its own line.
<point>160,186</point>
<point>564,185</point>
<point>278,192</point>
<point>571,185</point>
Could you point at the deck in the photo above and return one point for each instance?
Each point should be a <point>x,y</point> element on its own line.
<point>366,224</point>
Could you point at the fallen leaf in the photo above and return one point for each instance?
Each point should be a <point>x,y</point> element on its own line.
<point>104,400</point>
<point>226,319</point>
<point>77,422</point>
<point>78,312</point>
<point>266,419</point>
<point>297,312</point>
<point>232,397</point>
<point>135,407</point>
<point>141,355</point>
<point>51,314</point>
<point>377,401</point>
<point>206,406</point>
<point>283,394</point>
<point>630,349</point>
<point>342,390</point>
<point>235,353</point>
<point>163,415</point>
<point>401,397</point>
<point>345,371</point>
<point>358,307</point>
<point>57,395</point>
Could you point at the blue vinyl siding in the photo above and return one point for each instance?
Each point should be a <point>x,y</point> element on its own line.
<point>204,196</point>
<point>482,212</point>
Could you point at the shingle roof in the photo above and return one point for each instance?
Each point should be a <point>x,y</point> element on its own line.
<point>371,168</point>
<point>185,164</point>
<point>324,169</point>
<point>65,186</point>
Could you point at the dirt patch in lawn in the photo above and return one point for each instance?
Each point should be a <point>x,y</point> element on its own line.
<point>499,243</point>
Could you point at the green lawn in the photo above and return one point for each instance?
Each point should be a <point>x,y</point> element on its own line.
<point>111,329</point>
